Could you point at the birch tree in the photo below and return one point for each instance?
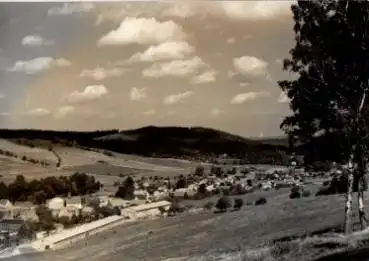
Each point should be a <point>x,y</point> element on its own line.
<point>330,116</point>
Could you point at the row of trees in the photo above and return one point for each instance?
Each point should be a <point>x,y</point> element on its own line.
<point>38,191</point>
<point>330,116</point>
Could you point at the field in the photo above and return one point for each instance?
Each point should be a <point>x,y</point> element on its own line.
<point>204,235</point>
<point>106,169</point>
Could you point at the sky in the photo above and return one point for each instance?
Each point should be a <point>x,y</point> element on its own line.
<point>88,66</point>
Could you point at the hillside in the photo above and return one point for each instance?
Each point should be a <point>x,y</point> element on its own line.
<point>171,142</point>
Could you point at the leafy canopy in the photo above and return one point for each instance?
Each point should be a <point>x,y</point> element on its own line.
<point>331,61</point>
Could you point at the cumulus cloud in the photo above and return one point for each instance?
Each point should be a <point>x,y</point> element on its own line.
<point>37,112</point>
<point>38,64</point>
<point>142,31</point>
<point>63,111</point>
<point>99,73</point>
<point>250,66</point>
<point>36,40</point>
<point>177,68</point>
<point>90,93</point>
<point>205,77</point>
<point>70,8</point>
<point>137,94</point>
<point>248,96</point>
<point>283,98</point>
<point>176,98</point>
<point>164,51</point>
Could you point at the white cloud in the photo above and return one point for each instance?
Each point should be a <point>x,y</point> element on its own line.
<point>177,68</point>
<point>99,73</point>
<point>250,66</point>
<point>143,31</point>
<point>90,93</point>
<point>64,111</point>
<point>164,51</point>
<point>37,112</point>
<point>232,10</point>
<point>205,77</point>
<point>283,98</point>
<point>137,94</point>
<point>254,10</point>
<point>176,98</point>
<point>36,40</point>
<point>149,112</point>
<point>70,8</point>
<point>248,96</point>
<point>38,64</point>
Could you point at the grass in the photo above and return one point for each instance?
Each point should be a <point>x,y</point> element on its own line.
<point>202,235</point>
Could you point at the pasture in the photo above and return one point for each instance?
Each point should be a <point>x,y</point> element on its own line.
<point>196,236</point>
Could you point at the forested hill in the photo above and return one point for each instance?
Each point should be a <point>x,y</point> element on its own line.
<point>178,142</point>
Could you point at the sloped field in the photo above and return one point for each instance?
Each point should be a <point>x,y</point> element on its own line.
<point>33,153</point>
<point>228,236</point>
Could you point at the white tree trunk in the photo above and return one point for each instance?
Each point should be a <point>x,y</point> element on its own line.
<point>362,214</point>
<point>348,208</point>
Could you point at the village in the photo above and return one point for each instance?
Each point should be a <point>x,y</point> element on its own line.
<point>61,221</point>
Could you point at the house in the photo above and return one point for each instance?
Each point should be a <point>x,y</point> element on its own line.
<point>146,210</point>
<point>6,208</point>
<point>11,226</point>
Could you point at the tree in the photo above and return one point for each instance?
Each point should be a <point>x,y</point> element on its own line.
<point>200,170</point>
<point>238,203</point>
<point>329,120</point>
<point>223,204</point>
<point>127,190</point>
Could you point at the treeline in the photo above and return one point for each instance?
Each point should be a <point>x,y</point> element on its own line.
<point>173,142</point>
<point>38,191</point>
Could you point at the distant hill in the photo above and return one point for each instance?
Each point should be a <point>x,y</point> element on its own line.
<point>177,142</point>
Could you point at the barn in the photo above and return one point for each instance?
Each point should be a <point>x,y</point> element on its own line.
<point>146,210</point>
<point>69,236</point>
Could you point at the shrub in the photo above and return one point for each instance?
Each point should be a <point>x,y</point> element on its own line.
<point>295,193</point>
<point>223,203</point>
<point>260,201</point>
<point>238,203</point>
<point>199,171</point>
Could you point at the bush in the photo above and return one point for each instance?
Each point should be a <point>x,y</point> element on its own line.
<point>223,203</point>
<point>199,171</point>
<point>238,203</point>
<point>260,201</point>
<point>295,193</point>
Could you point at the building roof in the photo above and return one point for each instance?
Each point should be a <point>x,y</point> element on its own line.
<point>4,202</point>
<point>68,233</point>
<point>144,207</point>
<point>12,221</point>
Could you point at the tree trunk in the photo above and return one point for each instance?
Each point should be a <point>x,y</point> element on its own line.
<point>361,189</point>
<point>348,208</point>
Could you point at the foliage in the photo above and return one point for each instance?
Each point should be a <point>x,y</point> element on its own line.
<point>260,201</point>
<point>45,218</point>
<point>223,203</point>
<point>295,192</point>
<point>238,203</point>
<point>40,190</point>
<point>127,190</point>
<point>200,171</point>
<point>182,182</point>
<point>331,80</point>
